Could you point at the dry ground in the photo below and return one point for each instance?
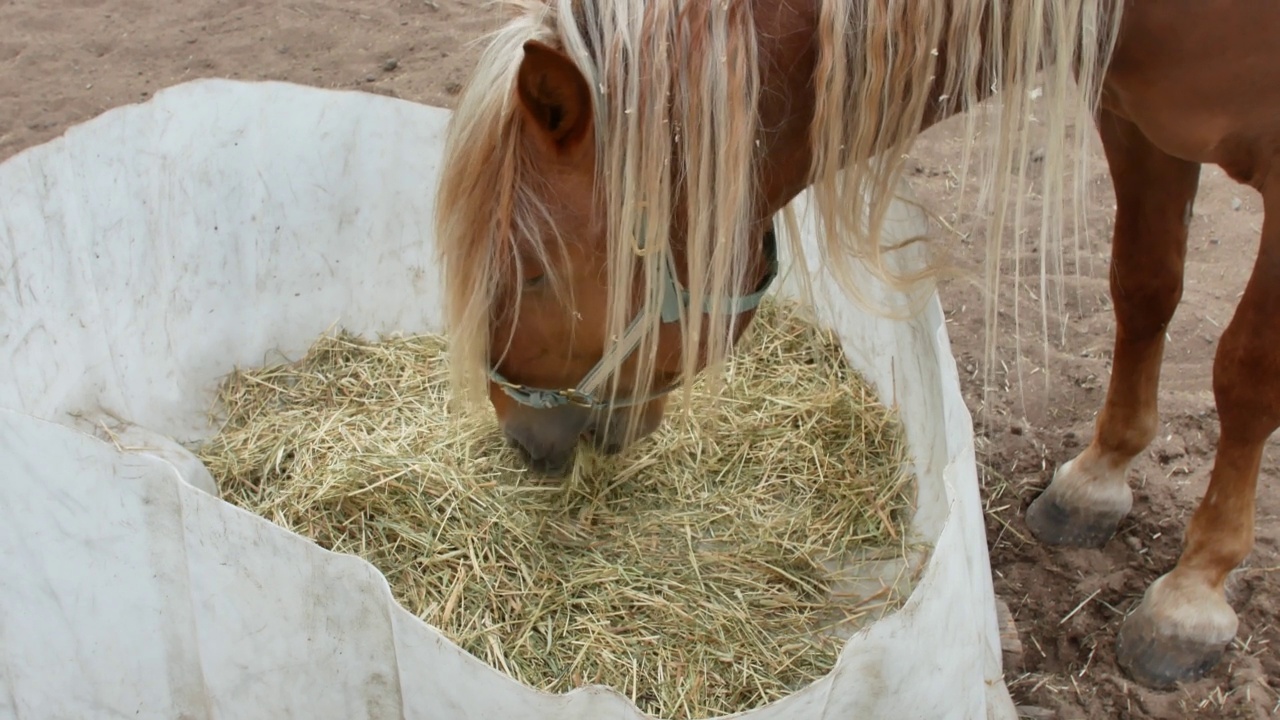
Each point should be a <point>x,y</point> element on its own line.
<point>64,61</point>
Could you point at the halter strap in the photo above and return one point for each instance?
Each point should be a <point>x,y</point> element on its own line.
<point>674,298</point>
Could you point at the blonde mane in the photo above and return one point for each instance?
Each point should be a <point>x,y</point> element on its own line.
<point>672,75</point>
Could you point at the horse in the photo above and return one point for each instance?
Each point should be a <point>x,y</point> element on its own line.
<point>614,168</point>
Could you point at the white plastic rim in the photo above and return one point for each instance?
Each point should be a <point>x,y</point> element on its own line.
<point>150,251</point>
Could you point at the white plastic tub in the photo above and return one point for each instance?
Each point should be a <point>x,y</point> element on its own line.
<point>150,251</point>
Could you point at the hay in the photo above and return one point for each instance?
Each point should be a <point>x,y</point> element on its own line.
<point>691,574</point>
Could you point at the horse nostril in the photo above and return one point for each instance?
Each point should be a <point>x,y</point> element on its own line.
<point>603,445</point>
<point>548,461</point>
<point>525,456</point>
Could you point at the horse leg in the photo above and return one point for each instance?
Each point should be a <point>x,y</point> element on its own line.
<point>1154,192</point>
<point>1183,624</point>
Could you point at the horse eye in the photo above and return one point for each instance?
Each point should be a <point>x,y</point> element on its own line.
<point>535,281</point>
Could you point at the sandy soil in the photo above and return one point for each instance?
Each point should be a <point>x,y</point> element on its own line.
<point>64,61</point>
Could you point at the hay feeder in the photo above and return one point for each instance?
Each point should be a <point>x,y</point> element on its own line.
<point>154,249</point>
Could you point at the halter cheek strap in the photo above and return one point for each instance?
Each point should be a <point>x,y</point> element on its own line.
<point>674,298</point>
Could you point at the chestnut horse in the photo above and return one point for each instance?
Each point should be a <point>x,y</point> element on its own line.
<point>613,169</point>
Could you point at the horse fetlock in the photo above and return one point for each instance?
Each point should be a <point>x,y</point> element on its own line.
<point>1178,633</point>
<point>1083,505</point>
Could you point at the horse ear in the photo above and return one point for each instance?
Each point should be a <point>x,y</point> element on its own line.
<point>554,93</point>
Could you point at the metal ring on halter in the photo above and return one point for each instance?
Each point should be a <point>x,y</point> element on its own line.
<point>584,400</point>
<point>542,398</point>
<point>637,241</point>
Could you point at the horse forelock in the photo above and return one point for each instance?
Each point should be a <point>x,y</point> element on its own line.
<point>674,87</point>
<point>677,124</point>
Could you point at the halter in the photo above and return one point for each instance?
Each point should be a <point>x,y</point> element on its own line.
<point>674,297</point>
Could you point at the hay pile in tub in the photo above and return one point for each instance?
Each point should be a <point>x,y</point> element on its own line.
<point>688,574</point>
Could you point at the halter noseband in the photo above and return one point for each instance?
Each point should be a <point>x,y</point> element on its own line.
<point>674,297</point>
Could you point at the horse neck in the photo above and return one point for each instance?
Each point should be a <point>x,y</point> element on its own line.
<point>789,50</point>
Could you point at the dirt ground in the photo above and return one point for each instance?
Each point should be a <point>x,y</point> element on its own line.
<point>64,61</point>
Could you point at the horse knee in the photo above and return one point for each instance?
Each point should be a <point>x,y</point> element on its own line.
<point>1146,298</point>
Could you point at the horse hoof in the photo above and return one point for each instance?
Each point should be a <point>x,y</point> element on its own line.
<point>1054,524</point>
<point>1175,635</point>
<point>1079,510</point>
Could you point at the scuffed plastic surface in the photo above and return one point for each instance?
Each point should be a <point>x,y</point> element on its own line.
<point>149,252</point>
